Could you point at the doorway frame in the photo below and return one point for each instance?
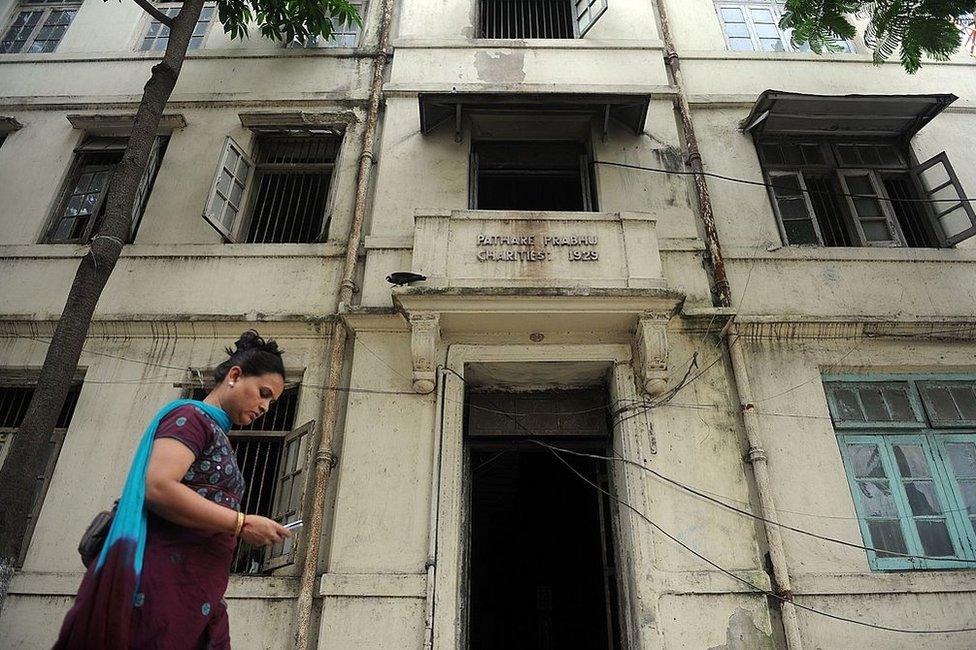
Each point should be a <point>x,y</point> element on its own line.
<point>634,553</point>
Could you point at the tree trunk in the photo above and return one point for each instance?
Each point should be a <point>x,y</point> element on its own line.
<point>27,456</point>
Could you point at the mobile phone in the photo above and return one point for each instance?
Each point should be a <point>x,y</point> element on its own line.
<point>295,525</point>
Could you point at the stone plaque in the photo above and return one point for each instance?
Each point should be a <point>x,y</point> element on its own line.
<point>546,249</point>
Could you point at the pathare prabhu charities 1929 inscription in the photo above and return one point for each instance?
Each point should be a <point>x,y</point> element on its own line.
<point>530,248</point>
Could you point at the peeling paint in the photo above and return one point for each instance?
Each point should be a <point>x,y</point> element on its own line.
<point>502,67</point>
<point>743,633</point>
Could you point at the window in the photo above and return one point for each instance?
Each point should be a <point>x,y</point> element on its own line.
<point>830,193</point>
<point>753,26</point>
<point>15,397</point>
<point>342,35</point>
<point>287,189</point>
<point>527,175</point>
<point>271,456</point>
<point>38,26</point>
<point>909,449</point>
<point>157,35</point>
<point>538,18</point>
<point>81,207</point>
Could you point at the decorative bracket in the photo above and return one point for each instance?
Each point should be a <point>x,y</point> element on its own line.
<point>424,337</point>
<point>651,346</point>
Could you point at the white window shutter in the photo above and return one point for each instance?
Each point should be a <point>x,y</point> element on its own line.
<point>145,185</point>
<point>791,201</point>
<point>585,14</point>
<point>953,216</point>
<point>228,190</point>
<point>289,497</point>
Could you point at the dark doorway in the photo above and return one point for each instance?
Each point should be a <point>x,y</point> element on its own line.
<point>541,571</point>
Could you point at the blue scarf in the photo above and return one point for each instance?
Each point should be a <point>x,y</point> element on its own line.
<point>129,523</point>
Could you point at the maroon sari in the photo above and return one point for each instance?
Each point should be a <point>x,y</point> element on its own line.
<point>179,603</point>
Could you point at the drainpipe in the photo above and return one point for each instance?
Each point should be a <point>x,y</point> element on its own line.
<point>325,459</point>
<point>435,475</point>
<point>722,297</point>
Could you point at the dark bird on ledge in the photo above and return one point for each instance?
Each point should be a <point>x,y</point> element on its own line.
<point>401,278</point>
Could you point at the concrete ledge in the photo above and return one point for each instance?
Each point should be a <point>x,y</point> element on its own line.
<point>529,43</point>
<point>30,583</point>
<point>888,583</point>
<point>693,583</point>
<point>44,251</point>
<point>374,585</point>
<point>852,254</point>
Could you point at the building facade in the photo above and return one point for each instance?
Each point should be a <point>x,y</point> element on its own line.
<point>557,437</point>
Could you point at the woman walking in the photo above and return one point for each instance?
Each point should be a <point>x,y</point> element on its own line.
<point>161,575</point>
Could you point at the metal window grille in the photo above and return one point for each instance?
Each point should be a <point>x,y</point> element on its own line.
<point>342,36</point>
<point>526,19</point>
<point>258,448</point>
<point>157,34</point>
<point>292,178</point>
<point>910,213</point>
<point>825,197</point>
<point>14,400</point>
<point>38,26</point>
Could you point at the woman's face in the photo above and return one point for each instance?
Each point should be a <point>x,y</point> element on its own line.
<point>248,397</point>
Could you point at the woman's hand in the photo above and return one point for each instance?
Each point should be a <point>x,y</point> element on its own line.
<point>261,531</point>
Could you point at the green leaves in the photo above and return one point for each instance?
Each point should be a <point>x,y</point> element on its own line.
<point>287,20</point>
<point>913,28</point>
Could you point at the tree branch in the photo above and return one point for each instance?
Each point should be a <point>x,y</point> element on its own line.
<point>151,9</point>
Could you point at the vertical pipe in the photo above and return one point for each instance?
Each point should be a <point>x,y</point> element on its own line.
<point>723,298</point>
<point>435,475</point>
<point>324,457</point>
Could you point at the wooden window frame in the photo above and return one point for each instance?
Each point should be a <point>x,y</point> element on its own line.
<point>891,221</point>
<point>46,9</point>
<point>932,439</point>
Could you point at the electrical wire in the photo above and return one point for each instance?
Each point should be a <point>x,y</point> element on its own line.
<point>748,583</point>
<point>747,181</point>
<point>747,513</point>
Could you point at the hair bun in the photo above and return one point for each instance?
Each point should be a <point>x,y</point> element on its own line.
<point>251,340</point>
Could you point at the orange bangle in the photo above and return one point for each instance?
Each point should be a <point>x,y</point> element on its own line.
<point>240,524</point>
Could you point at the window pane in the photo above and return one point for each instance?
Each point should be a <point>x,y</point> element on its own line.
<point>876,231</point>
<point>732,15</point>
<point>741,45</point>
<point>761,15</point>
<point>767,31</point>
<point>877,499</point>
<point>875,409</point>
<point>737,29</point>
<point>773,154</point>
<point>911,461</point>
<point>866,461</point>
<point>965,399</point>
<point>886,535</point>
<point>968,491</point>
<point>800,232</point>
<point>898,404</point>
<point>812,155</point>
<point>847,406</point>
<point>922,498</point>
<point>935,537</point>
<point>962,455</point>
<point>772,45</point>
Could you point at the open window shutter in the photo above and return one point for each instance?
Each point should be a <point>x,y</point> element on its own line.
<point>145,185</point>
<point>585,14</point>
<point>226,198</point>
<point>792,204</point>
<point>952,214</point>
<point>289,495</point>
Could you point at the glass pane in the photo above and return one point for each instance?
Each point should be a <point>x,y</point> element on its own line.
<point>732,15</point>
<point>772,154</point>
<point>772,45</point>
<point>911,461</point>
<point>962,455</point>
<point>218,205</point>
<point>236,191</point>
<point>922,498</point>
<point>886,535</point>
<point>898,405</point>
<point>935,537</point>
<point>876,231</point>
<point>74,206</point>
<point>867,208</point>
<point>848,408</point>
<point>761,15</point>
<point>965,399</point>
<point>767,31</point>
<point>792,154</point>
<point>224,183</point>
<point>869,154</point>
<point>737,29</point>
<point>860,185</point>
<point>877,499</point>
<point>875,409</point>
<point>800,232</point>
<point>866,461</point>
<point>940,403</point>
<point>741,45</point>
<point>812,155</point>
<point>968,491</point>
